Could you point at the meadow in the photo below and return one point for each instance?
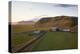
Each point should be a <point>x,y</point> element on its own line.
<point>19,35</point>
<point>56,41</point>
<point>49,41</point>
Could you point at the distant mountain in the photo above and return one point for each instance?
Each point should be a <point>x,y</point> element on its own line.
<point>26,22</point>
<point>12,23</point>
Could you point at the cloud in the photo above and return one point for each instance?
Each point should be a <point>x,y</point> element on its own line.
<point>65,5</point>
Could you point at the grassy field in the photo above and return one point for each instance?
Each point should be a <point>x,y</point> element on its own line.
<point>50,41</point>
<point>18,39</point>
<point>19,35</point>
<point>21,28</point>
<point>56,41</point>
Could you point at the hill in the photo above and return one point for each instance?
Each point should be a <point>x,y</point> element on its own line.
<point>58,21</point>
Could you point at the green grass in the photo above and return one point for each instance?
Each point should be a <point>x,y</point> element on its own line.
<point>18,37</point>
<point>21,28</point>
<point>56,40</point>
<point>50,41</point>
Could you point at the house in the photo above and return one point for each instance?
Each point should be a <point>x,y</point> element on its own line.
<point>66,29</point>
<point>55,29</point>
<point>59,29</point>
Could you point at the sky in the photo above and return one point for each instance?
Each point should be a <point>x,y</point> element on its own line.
<point>26,11</point>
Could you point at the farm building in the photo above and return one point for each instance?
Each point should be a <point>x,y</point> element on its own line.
<point>59,29</point>
<point>54,29</point>
<point>65,29</point>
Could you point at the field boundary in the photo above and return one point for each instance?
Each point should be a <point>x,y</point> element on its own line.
<point>29,43</point>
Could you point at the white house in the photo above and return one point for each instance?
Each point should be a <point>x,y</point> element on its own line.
<point>66,29</point>
<point>59,29</point>
<point>54,28</point>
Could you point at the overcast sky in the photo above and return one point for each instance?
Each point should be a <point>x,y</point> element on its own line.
<point>22,10</point>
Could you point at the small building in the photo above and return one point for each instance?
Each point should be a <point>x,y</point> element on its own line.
<point>55,29</point>
<point>59,29</point>
<point>65,29</point>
